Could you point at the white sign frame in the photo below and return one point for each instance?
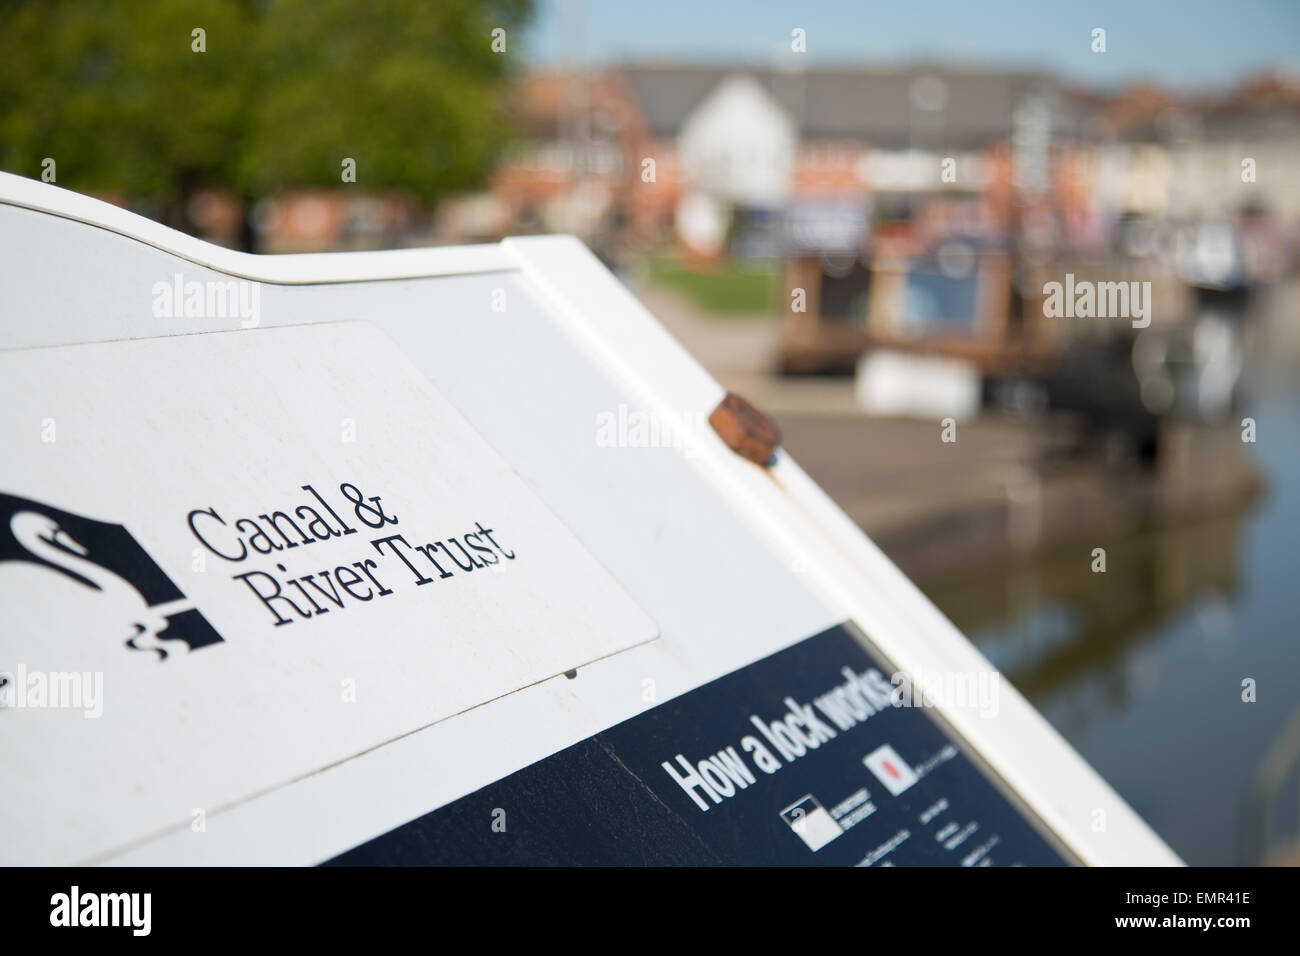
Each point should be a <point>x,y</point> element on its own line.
<point>781,505</point>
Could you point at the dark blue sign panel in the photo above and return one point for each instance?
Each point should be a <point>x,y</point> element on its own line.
<point>799,759</point>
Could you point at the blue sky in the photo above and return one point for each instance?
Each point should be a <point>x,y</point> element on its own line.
<point>1185,43</point>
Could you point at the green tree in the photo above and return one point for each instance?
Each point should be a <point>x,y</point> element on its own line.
<point>284,91</point>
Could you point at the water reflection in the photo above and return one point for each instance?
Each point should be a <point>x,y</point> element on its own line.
<point>1143,667</point>
<point>1053,625</point>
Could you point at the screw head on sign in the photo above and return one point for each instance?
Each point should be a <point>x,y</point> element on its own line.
<point>746,430</point>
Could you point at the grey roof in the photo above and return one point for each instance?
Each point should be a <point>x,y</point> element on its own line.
<point>874,106</point>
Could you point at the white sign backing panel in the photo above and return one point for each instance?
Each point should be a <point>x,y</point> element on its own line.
<point>327,557</point>
<point>572,344</point>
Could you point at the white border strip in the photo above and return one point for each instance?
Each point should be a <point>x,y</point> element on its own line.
<point>291,269</point>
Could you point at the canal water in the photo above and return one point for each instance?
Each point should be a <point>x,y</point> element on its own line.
<point>1144,668</point>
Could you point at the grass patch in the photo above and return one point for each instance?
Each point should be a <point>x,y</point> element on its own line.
<point>727,290</point>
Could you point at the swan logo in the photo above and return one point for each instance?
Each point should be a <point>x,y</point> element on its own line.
<point>140,601</point>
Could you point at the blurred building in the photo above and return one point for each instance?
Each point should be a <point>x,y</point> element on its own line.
<point>648,152</point>
<point>732,160</point>
<point>774,164</point>
<point>836,150</point>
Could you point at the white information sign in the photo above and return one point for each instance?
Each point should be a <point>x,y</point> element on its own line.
<point>229,563</point>
<point>431,556</point>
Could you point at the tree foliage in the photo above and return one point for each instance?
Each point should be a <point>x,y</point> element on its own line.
<point>285,90</point>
